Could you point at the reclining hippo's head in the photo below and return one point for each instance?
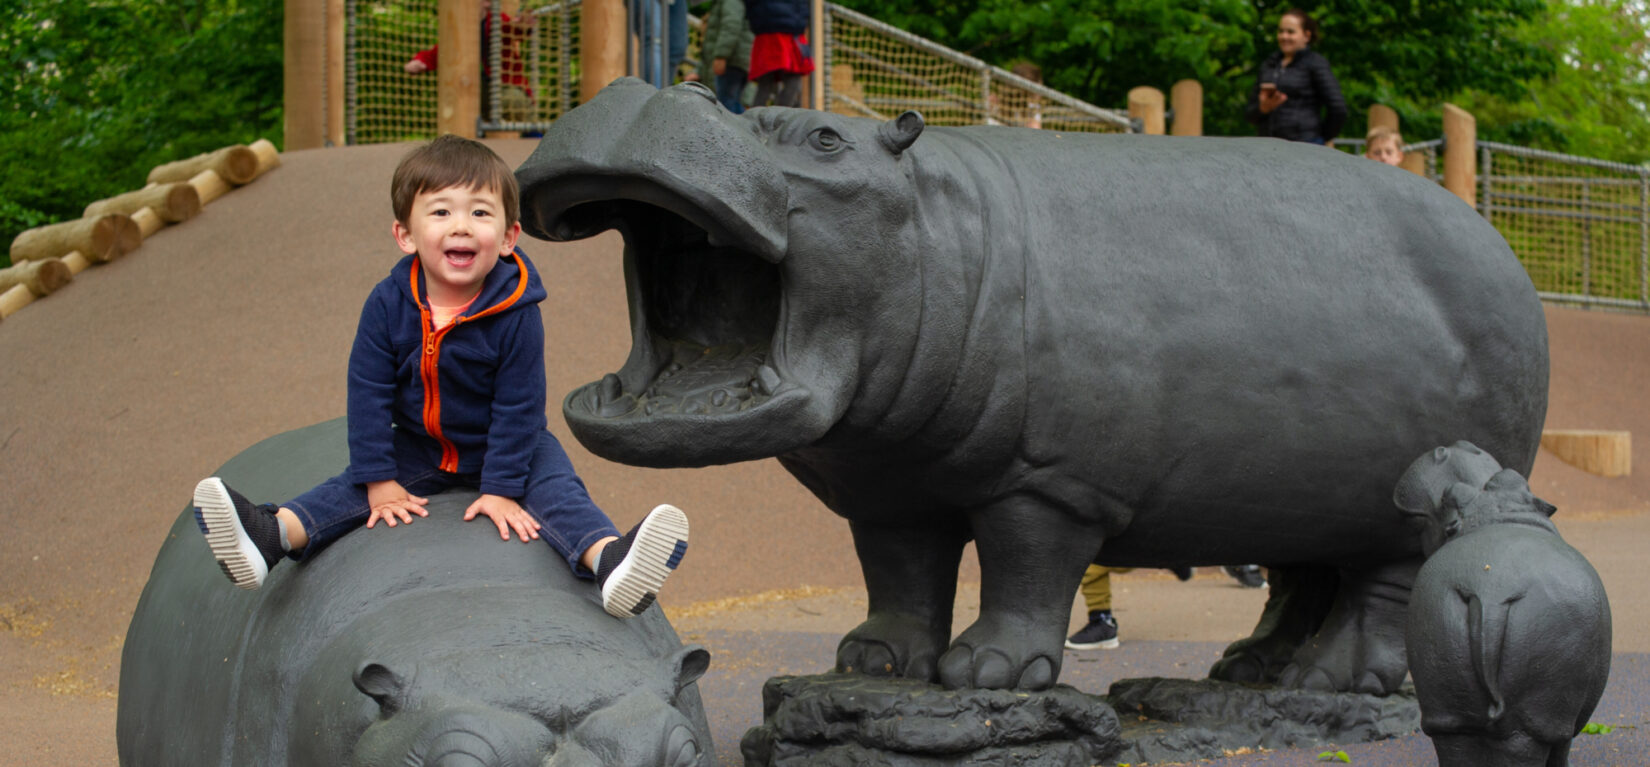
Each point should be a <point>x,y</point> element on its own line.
<point>750,244</point>
<point>1439,488</point>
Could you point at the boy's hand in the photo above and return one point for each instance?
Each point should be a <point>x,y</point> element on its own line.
<point>505,513</point>
<point>389,500</point>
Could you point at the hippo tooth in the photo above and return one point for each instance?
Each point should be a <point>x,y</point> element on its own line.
<point>719,397</point>
<point>766,381</point>
<point>611,389</point>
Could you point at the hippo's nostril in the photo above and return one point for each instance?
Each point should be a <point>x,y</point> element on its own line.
<point>701,88</point>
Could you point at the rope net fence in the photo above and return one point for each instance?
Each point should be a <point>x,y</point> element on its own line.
<point>383,103</point>
<point>1578,225</point>
<point>876,70</point>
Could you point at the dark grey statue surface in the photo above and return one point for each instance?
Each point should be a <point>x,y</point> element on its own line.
<point>434,643</point>
<point>1509,627</point>
<point>1186,351</point>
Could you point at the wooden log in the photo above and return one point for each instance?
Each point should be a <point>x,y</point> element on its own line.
<point>76,262</point>
<point>603,33</point>
<point>268,156</point>
<point>41,277</point>
<point>172,202</point>
<point>1146,103</point>
<point>12,300</point>
<point>98,238</point>
<point>209,185</point>
<point>234,164</point>
<point>1383,116</point>
<point>1605,453</point>
<point>458,79</point>
<point>148,222</point>
<point>304,80</point>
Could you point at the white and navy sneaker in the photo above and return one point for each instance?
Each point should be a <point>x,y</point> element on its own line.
<point>245,539</point>
<point>633,568</point>
<point>1099,634</point>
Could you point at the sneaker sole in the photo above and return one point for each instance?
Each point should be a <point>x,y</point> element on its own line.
<point>1109,644</point>
<point>231,546</point>
<point>660,543</point>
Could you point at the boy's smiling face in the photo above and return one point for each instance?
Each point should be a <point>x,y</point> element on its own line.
<point>459,234</point>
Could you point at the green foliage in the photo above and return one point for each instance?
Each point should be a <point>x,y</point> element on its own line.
<point>1334,756</point>
<point>94,93</point>
<point>1097,50</point>
<point>1594,728</point>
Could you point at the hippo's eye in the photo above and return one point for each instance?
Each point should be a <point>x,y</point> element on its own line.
<point>826,140</point>
<point>683,749</point>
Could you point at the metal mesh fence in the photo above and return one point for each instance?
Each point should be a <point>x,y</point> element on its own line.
<point>875,70</point>
<point>532,66</point>
<point>384,103</point>
<point>1581,227</point>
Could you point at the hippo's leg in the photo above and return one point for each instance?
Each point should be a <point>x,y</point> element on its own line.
<point>1360,647</point>
<point>911,582</point>
<point>1297,600</point>
<point>1477,750</point>
<point>1032,557</point>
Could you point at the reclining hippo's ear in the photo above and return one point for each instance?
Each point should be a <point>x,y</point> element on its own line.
<point>690,663</point>
<point>382,685</point>
<point>901,132</point>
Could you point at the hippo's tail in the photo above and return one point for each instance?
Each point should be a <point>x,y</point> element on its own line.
<point>1486,631</point>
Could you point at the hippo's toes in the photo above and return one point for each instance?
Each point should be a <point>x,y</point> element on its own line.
<point>1242,667</point>
<point>890,646</point>
<point>965,667</point>
<point>1311,678</point>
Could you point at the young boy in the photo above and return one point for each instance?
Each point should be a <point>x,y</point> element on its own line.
<point>1384,145</point>
<point>450,350</point>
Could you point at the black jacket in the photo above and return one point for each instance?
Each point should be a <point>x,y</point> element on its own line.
<point>787,16</point>
<point>1315,108</point>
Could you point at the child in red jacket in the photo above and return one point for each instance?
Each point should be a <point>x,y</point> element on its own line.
<point>447,389</point>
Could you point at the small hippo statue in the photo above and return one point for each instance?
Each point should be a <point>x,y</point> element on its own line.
<point>431,644</point>
<point>1508,628</point>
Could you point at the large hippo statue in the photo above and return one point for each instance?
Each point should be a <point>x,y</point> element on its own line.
<point>430,644</point>
<point>1144,350</point>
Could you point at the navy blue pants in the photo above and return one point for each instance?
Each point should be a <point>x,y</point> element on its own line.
<point>730,85</point>
<point>555,497</point>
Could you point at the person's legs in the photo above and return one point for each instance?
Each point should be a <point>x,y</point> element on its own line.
<point>557,499</point>
<point>766,86</point>
<point>729,86</point>
<point>1101,631</point>
<point>790,91</point>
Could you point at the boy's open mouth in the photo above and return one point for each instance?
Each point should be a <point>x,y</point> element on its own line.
<point>460,257</point>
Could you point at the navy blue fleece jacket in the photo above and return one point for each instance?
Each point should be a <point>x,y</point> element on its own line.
<point>470,397</point>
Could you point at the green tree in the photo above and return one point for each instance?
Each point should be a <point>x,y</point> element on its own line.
<point>94,93</point>
<point>1097,50</point>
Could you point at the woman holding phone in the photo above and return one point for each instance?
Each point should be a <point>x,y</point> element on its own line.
<point>1296,97</point>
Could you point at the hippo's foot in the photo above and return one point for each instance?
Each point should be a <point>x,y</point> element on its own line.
<point>1517,750</point>
<point>1361,645</point>
<point>1003,652</point>
<point>1296,604</point>
<point>891,645</point>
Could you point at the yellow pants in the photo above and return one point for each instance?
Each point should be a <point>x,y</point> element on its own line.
<point>1096,586</point>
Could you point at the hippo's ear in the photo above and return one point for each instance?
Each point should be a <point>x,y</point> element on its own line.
<point>901,132</point>
<point>690,663</point>
<point>382,685</point>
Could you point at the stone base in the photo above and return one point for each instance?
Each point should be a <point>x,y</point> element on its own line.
<point>1181,720</point>
<point>848,720</point>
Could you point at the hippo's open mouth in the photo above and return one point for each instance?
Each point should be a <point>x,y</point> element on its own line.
<point>704,317</point>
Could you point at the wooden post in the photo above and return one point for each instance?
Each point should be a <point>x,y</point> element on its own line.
<point>209,185</point>
<point>1146,103</point>
<point>335,72</point>
<point>76,262</point>
<point>816,41</point>
<point>148,221</point>
<point>603,39</point>
<point>267,155</point>
<point>1187,98</point>
<point>42,278</point>
<point>1383,116</point>
<point>12,300</point>
<point>303,91</point>
<point>458,83</point>
<point>1415,162</point>
<point>1605,453</point>
<point>1461,154</point>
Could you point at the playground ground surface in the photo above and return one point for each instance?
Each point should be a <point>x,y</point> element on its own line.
<point>145,374</point>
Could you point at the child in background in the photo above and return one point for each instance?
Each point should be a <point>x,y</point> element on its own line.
<point>727,46</point>
<point>447,389</point>
<point>515,93</point>
<point>1383,144</point>
<point>779,54</point>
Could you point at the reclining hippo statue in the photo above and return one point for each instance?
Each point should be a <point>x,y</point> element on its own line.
<point>1141,350</point>
<point>427,644</point>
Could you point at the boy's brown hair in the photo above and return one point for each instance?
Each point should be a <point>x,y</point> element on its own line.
<point>1382,133</point>
<point>452,161</point>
